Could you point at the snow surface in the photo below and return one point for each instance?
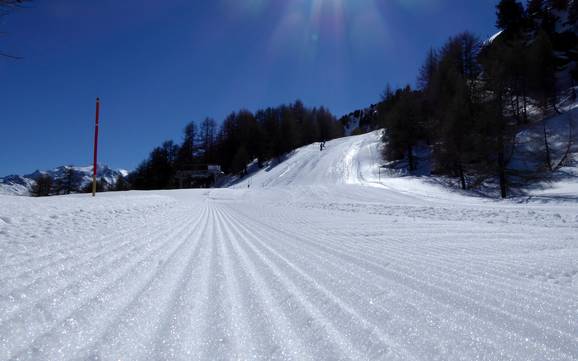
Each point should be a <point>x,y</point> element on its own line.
<point>494,37</point>
<point>316,260</point>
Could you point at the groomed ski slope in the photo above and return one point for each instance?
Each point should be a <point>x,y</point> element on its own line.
<point>317,260</point>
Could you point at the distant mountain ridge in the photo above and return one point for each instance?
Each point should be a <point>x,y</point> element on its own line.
<point>21,184</point>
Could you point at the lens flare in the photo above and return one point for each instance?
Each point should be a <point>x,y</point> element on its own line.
<point>319,35</point>
<point>339,25</point>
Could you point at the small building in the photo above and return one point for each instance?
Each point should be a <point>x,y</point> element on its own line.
<point>198,176</point>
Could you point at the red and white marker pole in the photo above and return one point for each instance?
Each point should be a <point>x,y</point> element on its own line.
<point>95,148</point>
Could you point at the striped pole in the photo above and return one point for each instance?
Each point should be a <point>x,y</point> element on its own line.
<point>95,148</point>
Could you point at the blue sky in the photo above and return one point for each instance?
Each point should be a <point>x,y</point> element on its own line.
<point>159,64</point>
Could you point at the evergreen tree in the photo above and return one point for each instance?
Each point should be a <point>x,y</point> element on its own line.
<point>161,165</point>
<point>535,8</point>
<point>497,125</point>
<point>455,95</point>
<point>247,133</point>
<point>172,151</point>
<point>510,14</point>
<point>403,127</point>
<point>327,125</point>
<point>185,155</point>
<point>101,186</point>
<point>240,161</point>
<point>69,183</point>
<point>541,63</point>
<point>427,71</point>
<point>140,177</point>
<point>121,184</point>
<point>208,138</point>
<point>573,14</point>
<point>267,120</point>
<point>158,171</point>
<point>310,128</point>
<point>288,136</point>
<point>559,5</point>
<point>42,187</point>
<point>388,93</point>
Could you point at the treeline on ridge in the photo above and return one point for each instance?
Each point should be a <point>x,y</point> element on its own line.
<point>241,138</point>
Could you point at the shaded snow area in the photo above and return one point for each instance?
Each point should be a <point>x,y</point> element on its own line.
<point>317,260</point>
<point>530,179</point>
<point>562,134</point>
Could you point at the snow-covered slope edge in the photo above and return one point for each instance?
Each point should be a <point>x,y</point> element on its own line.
<point>357,160</point>
<point>354,160</point>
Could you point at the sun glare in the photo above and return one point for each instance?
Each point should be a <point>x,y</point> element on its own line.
<point>331,21</point>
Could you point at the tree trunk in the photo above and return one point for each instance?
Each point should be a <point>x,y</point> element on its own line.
<point>502,172</point>
<point>568,146</point>
<point>547,147</point>
<point>556,107</point>
<point>411,158</point>
<point>462,176</point>
<point>525,110</point>
<point>518,113</point>
<point>514,108</point>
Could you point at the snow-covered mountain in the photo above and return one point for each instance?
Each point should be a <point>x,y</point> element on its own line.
<point>21,184</point>
<point>359,121</point>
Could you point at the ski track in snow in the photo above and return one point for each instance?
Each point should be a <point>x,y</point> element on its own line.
<point>318,260</point>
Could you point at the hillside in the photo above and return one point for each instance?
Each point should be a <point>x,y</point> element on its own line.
<point>358,160</point>
<point>354,160</point>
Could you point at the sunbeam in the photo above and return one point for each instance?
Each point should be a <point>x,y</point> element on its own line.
<point>330,23</point>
